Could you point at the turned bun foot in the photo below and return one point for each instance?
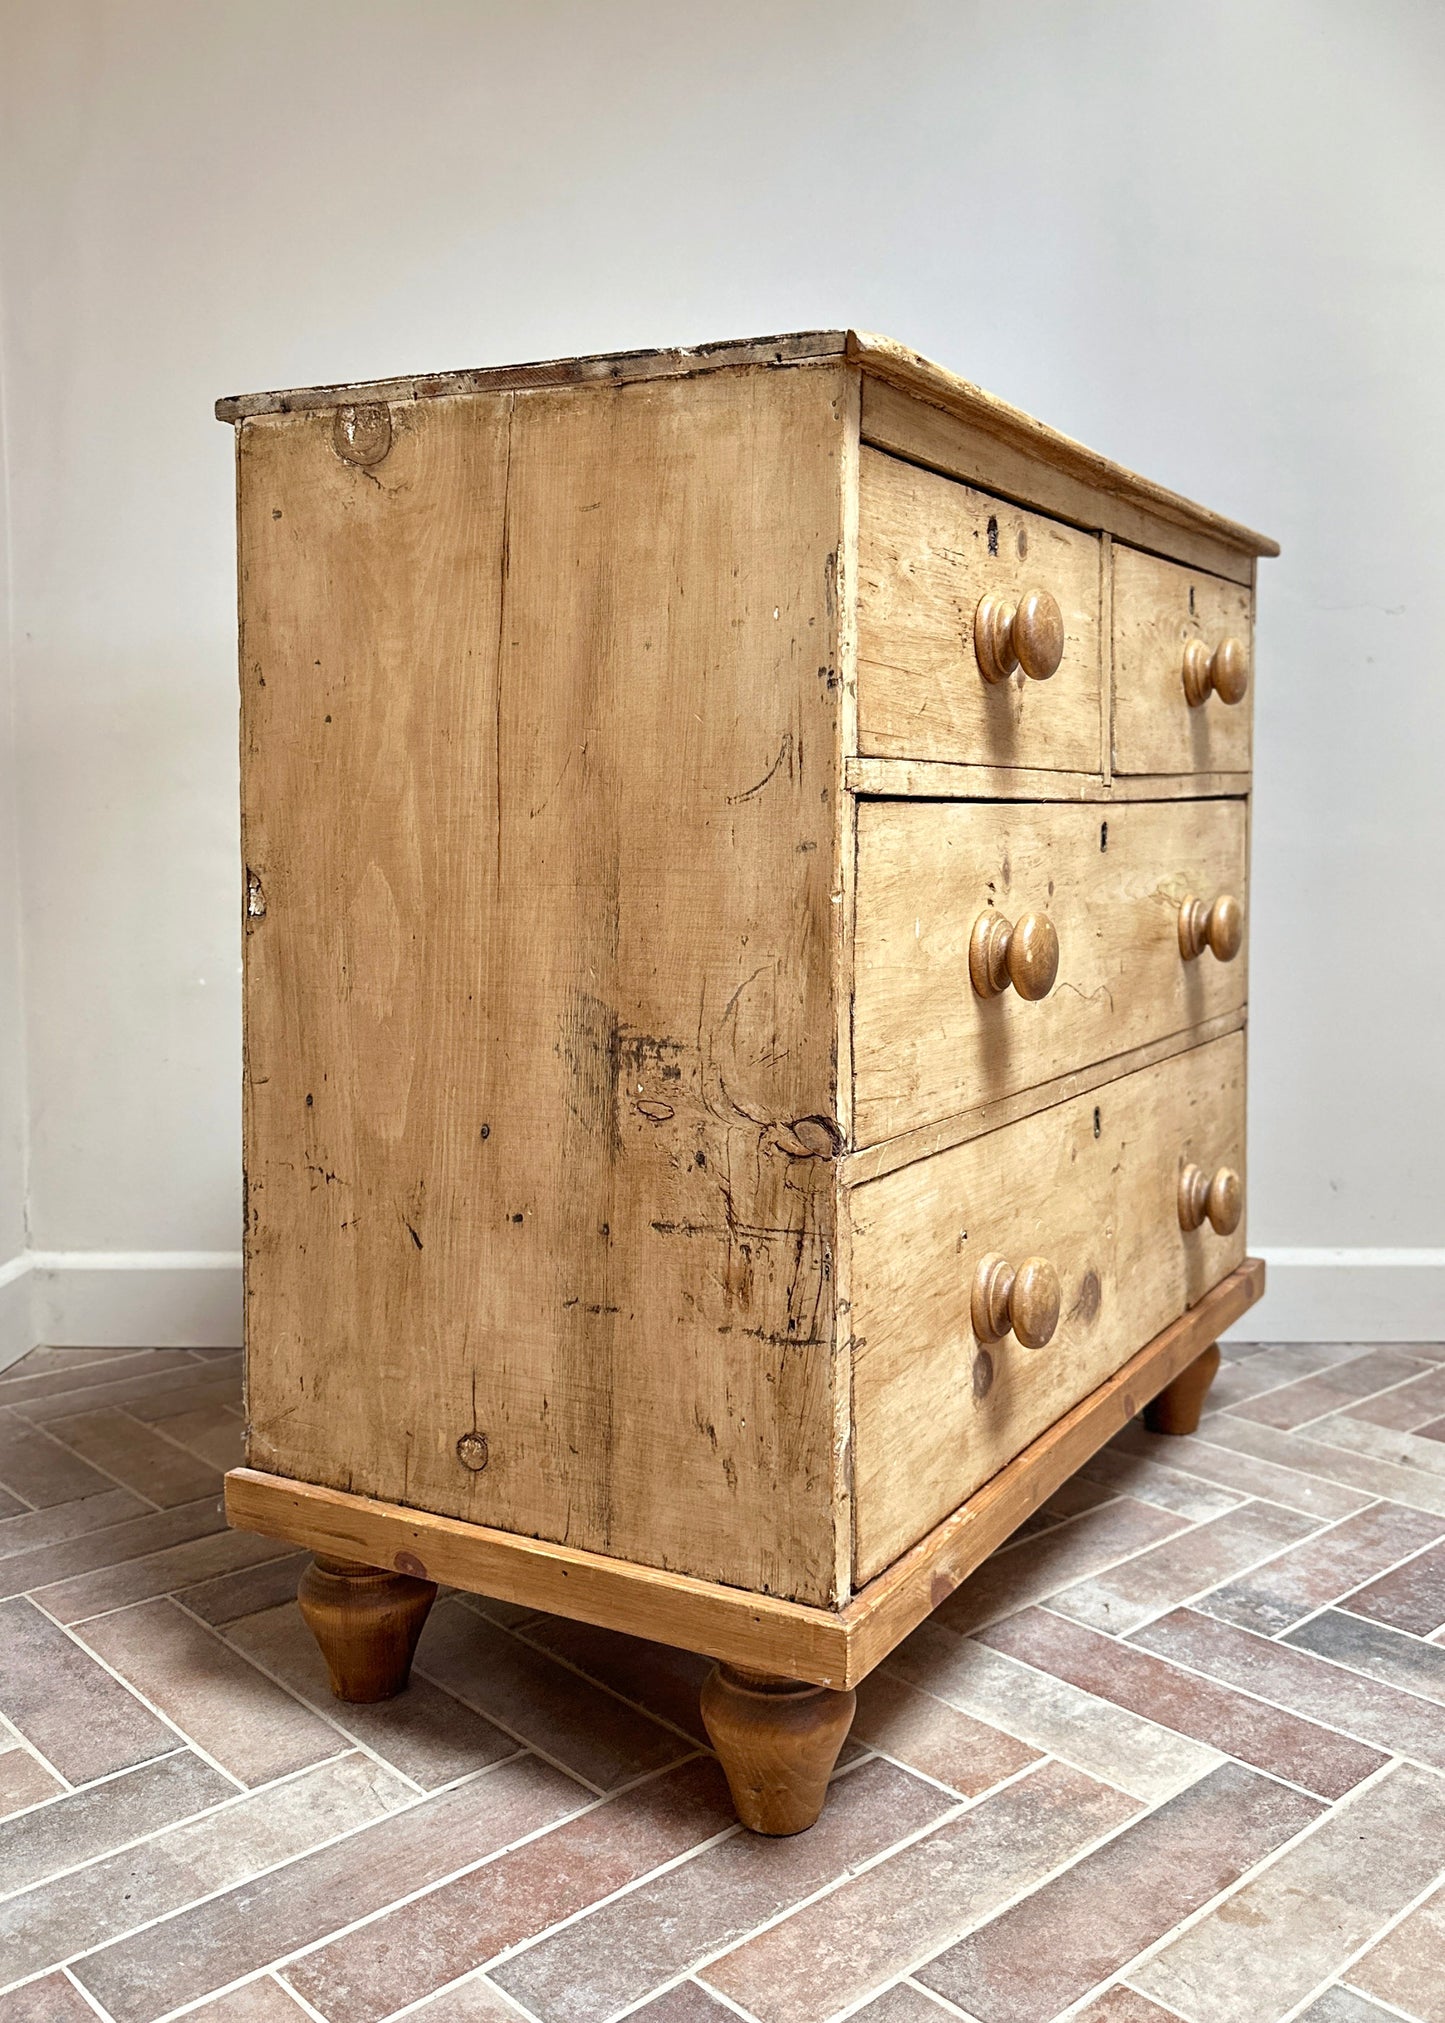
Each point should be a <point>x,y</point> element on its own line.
<point>366,1621</point>
<point>1178,1406</point>
<point>777,1741</point>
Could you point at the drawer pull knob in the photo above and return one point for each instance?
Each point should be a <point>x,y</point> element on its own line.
<point>1024,953</point>
<point>1225,672</point>
<point>1025,1301</point>
<point>1220,1196</point>
<point>1029,634</point>
<point>1219,928</point>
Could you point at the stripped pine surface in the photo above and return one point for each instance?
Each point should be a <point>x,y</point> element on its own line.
<point>1176,1751</point>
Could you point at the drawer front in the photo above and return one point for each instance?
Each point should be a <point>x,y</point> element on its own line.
<point>1093,1187</point>
<point>1111,879</point>
<point>929,551</point>
<point>1159,609</point>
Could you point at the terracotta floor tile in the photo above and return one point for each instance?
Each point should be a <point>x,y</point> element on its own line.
<point>655,1676</point>
<point>1273,1367</point>
<point>215,1432</point>
<point>624,1950</point>
<point>1149,1481</point>
<point>575,1724</point>
<point>1387,1655</point>
<point>1409,1407</point>
<point>154,1573</point>
<point>1048,1950</point>
<point>1019,1574</point>
<point>91,1906</point>
<point>200,1394</point>
<point>137,1457</point>
<point>22,1384</point>
<point>1331,1390</point>
<point>263,2001</point>
<point>24,1780</point>
<point>1107,1741</point>
<point>1279,1743</point>
<point>59,1521</point>
<point>214,1943</point>
<point>228,1596</point>
<point>1334,1463</point>
<point>1253,1957</point>
<point>67,1706</point>
<point>172,1389</point>
<point>1303,1683</point>
<point>109,1546</point>
<point>1070,1499</point>
<point>904,2002</point>
<point>885,1921</point>
<point>1277,1594</point>
<point>435,1939</point>
<point>1122,2005</point>
<point>1343,2005</point>
<point>1119,1600</point>
<point>1407,1967</point>
<point>474,2000</point>
<point>1411,1598</point>
<point>1420,1452</point>
<point>83,1824</point>
<point>927,1734</point>
<point>44,1471</point>
<point>1434,1429</point>
<point>11,1506</point>
<point>53,2000</point>
<point>238,1716</point>
<point>1251,1474</point>
<point>689,2002</point>
<point>424,1732</point>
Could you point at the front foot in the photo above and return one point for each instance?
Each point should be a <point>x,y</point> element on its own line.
<point>366,1621</point>
<point>1178,1406</point>
<point>777,1741</point>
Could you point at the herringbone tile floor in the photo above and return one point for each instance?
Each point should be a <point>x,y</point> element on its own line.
<point>1178,1750</point>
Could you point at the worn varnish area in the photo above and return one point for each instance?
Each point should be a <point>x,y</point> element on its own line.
<point>926,1046</point>
<point>1092,1185</point>
<point>540,753</point>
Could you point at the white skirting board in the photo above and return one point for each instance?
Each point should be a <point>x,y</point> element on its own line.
<point>129,1299</point>
<point>1347,1296</point>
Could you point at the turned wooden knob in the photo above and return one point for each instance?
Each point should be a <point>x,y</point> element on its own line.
<point>1029,634</point>
<point>1219,928</point>
<point>1024,953</point>
<point>1225,672</point>
<point>1025,1301</point>
<point>1220,1196</point>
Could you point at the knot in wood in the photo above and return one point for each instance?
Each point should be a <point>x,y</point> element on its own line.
<point>472,1451</point>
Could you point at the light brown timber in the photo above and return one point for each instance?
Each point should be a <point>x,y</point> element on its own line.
<point>1158,607</point>
<point>829,1647</point>
<point>942,780</point>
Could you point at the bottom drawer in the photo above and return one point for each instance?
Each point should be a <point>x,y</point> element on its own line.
<point>1094,1187</point>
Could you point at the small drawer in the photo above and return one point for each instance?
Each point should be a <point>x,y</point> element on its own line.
<point>1110,881</point>
<point>936,683</point>
<point>1100,1189</point>
<point>1183,669</point>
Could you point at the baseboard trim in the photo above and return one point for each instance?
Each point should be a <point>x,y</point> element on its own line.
<point>1349,1295</point>
<point>120,1299</point>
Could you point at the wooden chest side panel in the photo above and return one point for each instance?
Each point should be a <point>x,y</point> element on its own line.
<point>541,761</point>
<point>1091,1185</point>
<point>1157,607</point>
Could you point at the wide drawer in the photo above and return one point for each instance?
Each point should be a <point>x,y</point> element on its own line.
<point>1162,612</point>
<point>1111,880</point>
<point>929,551</point>
<point>1093,1187</point>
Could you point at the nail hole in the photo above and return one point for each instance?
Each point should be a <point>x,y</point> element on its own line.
<point>1098,1122</point>
<point>993,533</point>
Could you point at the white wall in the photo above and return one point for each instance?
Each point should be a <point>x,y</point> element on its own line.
<point>1204,237</point>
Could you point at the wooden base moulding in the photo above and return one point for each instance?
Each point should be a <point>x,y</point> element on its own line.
<point>755,1633</point>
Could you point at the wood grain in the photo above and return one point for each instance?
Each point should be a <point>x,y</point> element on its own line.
<point>929,552</point>
<point>829,1647</point>
<point>938,780</point>
<point>1091,1186</point>
<point>1157,607</point>
<point>540,781</point>
<point>926,1045</point>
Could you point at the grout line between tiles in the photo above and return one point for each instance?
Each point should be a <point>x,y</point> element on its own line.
<point>1324,1608</point>
<point>157,1426</point>
<point>1338,1972</point>
<point>86,1996</point>
<point>91,1784</point>
<point>162,1594</point>
<point>1384,1391</point>
<point>950,2008</point>
<point>1381,2002</point>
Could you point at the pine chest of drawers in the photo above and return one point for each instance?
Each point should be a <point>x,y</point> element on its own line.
<point>746,860</point>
